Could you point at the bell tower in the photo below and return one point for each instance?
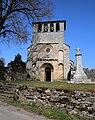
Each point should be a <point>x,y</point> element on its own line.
<point>49,32</point>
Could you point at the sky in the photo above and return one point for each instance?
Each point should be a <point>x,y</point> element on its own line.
<point>80,31</point>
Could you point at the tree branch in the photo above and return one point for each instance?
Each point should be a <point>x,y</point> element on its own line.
<point>16,16</point>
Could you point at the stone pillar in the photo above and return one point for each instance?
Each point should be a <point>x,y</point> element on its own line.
<point>54,27</point>
<point>48,27</point>
<point>61,26</point>
<point>80,76</point>
<point>35,28</point>
<point>79,69</point>
<point>42,27</point>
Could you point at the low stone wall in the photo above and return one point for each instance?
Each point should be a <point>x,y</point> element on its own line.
<point>74,102</point>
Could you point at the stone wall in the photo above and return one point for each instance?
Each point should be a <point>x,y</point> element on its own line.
<point>74,102</point>
<point>90,73</point>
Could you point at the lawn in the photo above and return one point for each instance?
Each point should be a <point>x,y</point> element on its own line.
<point>58,85</point>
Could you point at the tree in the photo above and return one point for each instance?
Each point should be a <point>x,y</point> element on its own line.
<point>2,68</point>
<point>17,68</point>
<point>16,17</point>
<point>17,65</point>
<point>2,62</point>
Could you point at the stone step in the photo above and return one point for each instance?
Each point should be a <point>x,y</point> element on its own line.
<point>7,89</point>
<point>1,90</point>
<point>6,95</point>
<point>8,84</point>
<point>7,92</point>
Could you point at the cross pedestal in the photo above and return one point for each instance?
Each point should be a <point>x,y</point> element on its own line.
<point>80,76</point>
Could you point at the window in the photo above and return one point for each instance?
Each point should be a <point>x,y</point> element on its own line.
<point>39,27</point>
<point>57,27</point>
<point>51,27</point>
<point>48,50</point>
<point>45,27</point>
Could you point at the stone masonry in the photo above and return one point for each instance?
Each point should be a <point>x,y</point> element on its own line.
<point>80,76</point>
<point>48,56</point>
<point>74,102</point>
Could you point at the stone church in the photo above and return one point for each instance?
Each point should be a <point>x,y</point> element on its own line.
<point>49,56</point>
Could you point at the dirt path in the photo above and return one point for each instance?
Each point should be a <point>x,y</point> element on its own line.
<point>8,112</point>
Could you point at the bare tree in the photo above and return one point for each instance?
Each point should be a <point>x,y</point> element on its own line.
<point>16,17</point>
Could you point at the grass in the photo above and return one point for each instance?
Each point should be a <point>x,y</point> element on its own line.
<point>49,112</point>
<point>58,85</point>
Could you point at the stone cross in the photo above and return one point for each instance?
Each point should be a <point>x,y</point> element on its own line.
<point>80,76</point>
<point>78,50</point>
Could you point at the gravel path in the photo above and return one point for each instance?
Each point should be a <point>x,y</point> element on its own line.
<point>8,112</point>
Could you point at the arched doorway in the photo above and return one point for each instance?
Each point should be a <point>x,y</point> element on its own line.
<point>48,73</point>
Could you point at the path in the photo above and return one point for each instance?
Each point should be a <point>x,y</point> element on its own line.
<point>8,112</point>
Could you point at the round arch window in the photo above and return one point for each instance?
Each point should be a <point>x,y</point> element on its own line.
<point>47,50</point>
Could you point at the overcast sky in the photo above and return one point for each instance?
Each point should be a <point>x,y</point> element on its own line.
<point>80,31</point>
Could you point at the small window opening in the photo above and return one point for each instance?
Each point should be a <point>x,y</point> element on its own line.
<point>39,27</point>
<point>48,50</point>
<point>45,27</point>
<point>51,27</point>
<point>57,27</point>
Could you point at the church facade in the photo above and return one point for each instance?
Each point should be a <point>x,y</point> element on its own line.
<point>48,57</point>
